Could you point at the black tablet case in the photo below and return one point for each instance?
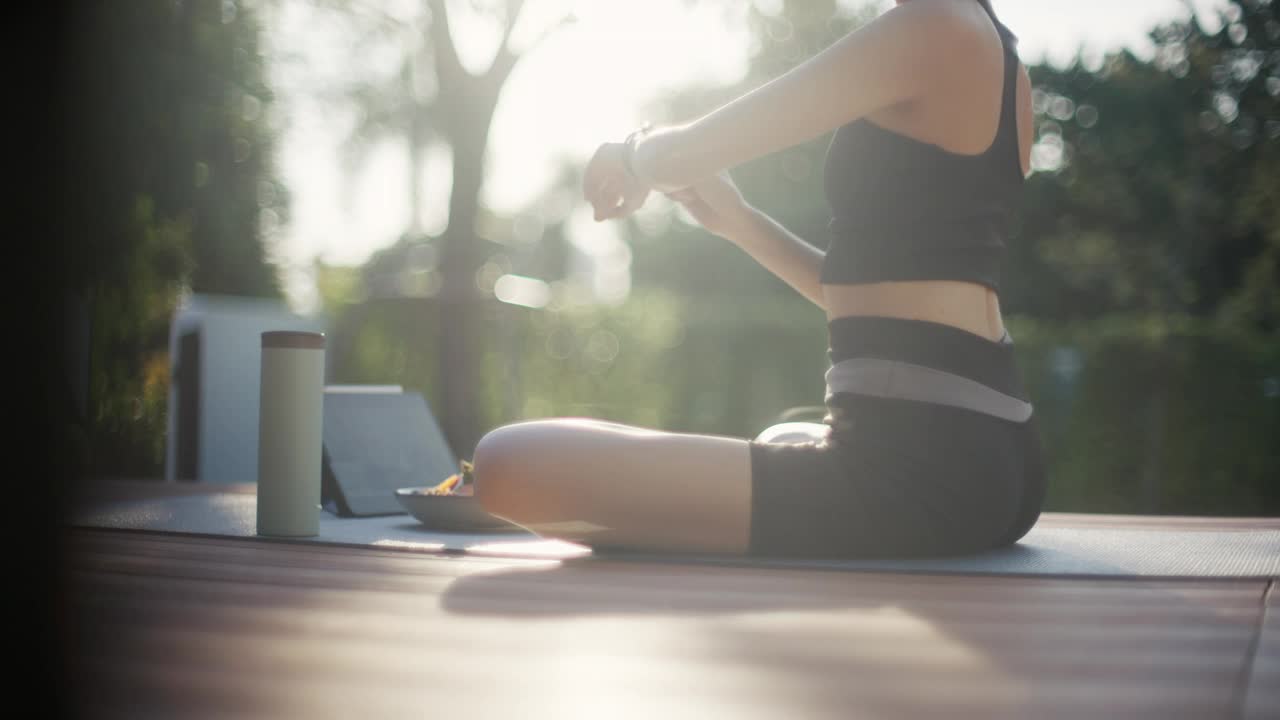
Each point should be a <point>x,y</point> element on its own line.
<point>374,443</point>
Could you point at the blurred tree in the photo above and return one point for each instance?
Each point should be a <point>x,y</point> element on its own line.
<point>435,97</point>
<point>1156,183</point>
<point>164,183</point>
<point>1154,198</point>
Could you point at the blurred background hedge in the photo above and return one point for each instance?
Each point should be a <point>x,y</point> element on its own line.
<point>1139,414</point>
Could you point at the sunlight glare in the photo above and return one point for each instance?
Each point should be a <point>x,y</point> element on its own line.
<point>524,291</point>
<point>1054,32</point>
<point>589,83</point>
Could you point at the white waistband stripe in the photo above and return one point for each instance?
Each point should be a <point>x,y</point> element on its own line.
<point>907,381</point>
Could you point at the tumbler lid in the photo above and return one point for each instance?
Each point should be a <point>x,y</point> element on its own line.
<point>293,339</point>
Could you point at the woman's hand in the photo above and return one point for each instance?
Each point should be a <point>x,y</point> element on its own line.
<point>607,184</point>
<point>716,203</point>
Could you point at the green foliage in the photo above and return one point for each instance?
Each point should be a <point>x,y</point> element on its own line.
<point>1164,198</point>
<point>1139,414</point>
<point>662,360</point>
<point>128,373</point>
<point>168,186</point>
<point>1155,414</point>
<point>658,360</point>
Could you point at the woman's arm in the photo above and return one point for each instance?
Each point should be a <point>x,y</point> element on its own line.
<point>719,207</point>
<point>897,57</point>
<point>784,254</point>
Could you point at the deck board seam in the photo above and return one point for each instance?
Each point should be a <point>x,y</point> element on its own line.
<point>1241,696</point>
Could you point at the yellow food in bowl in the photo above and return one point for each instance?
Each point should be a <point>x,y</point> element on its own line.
<point>459,483</point>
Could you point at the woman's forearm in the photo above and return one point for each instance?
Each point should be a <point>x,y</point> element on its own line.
<point>676,156</point>
<point>666,160</point>
<point>781,252</point>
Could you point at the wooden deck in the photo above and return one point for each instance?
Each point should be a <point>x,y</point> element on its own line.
<point>167,625</point>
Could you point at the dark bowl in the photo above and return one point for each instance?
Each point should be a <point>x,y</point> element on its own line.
<point>450,512</point>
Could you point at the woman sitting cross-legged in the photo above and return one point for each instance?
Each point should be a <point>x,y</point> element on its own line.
<point>928,446</point>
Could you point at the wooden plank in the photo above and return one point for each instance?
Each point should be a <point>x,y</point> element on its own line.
<point>202,627</point>
<point>1262,688</point>
<point>253,561</point>
<point>179,554</point>
<point>137,546</point>
<point>1179,616</point>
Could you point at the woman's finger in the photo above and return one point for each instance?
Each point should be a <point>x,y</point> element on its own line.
<point>630,204</point>
<point>596,186</point>
<point>604,198</point>
<point>603,209</point>
<point>602,189</point>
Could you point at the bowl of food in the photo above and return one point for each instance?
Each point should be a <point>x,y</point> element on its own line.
<point>451,505</point>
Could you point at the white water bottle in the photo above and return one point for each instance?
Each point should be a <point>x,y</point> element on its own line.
<point>290,426</point>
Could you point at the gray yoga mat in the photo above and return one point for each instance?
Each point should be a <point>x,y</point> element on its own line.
<point>235,515</point>
<point>1106,552</point>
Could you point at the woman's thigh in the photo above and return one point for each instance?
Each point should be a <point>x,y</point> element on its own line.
<point>611,485</point>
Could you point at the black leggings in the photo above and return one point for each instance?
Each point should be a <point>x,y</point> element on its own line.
<point>901,478</point>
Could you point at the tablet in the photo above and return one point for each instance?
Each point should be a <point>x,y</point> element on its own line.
<point>374,443</point>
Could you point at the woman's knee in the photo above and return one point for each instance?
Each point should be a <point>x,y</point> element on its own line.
<point>497,484</point>
<point>789,432</point>
<point>516,466</point>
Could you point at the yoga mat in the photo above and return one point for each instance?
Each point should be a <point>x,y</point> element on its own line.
<point>1072,551</point>
<point>234,515</point>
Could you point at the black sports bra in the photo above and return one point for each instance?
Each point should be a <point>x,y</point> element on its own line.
<point>903,209</point>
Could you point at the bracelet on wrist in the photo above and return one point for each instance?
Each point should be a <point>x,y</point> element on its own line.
<point>629,157</point>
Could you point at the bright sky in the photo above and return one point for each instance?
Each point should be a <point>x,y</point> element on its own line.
<point>583,86</point>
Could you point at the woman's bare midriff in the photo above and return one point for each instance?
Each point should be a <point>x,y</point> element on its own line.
<point>964,305</point>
